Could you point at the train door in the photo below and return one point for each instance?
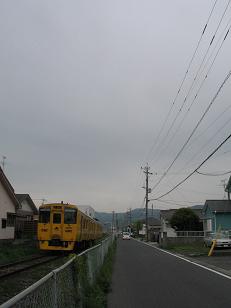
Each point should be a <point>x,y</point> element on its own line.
<point>56,225</point>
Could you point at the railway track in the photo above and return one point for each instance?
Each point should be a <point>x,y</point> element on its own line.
<point>16,267</point>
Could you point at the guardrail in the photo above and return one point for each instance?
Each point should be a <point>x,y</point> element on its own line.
<point>63,287</point>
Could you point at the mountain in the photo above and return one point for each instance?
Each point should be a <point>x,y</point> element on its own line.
<point>198,206</point>
<point>123,218</point>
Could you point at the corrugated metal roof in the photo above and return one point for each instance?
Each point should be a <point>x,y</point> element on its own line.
<point>9,188</point>
<point>218,205</point>
<point>27,197</point>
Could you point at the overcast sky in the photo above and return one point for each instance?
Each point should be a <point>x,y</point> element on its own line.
<point>86,86</point>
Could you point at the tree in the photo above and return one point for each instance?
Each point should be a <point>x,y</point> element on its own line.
<point>137,226</point>
<point>185,219</point>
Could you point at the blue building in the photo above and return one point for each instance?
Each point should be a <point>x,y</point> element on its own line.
<point>217,215</point>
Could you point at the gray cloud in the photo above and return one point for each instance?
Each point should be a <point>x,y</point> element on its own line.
<point>85,87</point>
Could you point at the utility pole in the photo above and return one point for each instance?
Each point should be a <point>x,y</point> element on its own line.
<point>223,183</point>
<point>130,217</point>
<point>3,162</point>
<point>148,190</point>
<point>152,210</point>
<point>113,221</point>
<point>116,222</point>
<point>228,188</point>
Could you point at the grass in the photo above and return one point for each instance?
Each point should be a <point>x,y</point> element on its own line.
<point>95,296</point>
<point>10,252</point>
<point>194,249</point>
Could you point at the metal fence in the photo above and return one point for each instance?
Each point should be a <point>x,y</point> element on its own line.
<point>190,233</point>
<point>64,287</point>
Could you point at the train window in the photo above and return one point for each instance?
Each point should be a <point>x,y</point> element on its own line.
<point>44,215</point>
<point>56,218</point>
<point>70,216</point>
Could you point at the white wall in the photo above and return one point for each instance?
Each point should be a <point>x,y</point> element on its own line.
<point>25,206</point>
<point>165,227</point>
<point>6,205</point>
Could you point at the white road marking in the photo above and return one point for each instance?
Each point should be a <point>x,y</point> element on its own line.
<point>182,258</point>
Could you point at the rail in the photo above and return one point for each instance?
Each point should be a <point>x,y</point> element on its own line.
<point>17,267</point>
<point>63,287</point>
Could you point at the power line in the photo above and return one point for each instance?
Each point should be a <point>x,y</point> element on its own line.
<point>212,138</point>
<point>207,158</point>
<point>195,128</point>
<point>182,81</point>
<point>224,34</point>
<point>213,174</point>
<point>176,203</point>
<point>186,201</point>
<point>196,77</point>
<point>197,93</point>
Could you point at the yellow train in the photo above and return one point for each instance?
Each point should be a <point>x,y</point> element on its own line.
<point>64,227</point>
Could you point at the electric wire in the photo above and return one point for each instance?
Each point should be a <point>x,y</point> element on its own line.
<point>196,77</point>
<point>200,151</point>
<point>175,203</point>
<point>192,85</point>
<point>204,161</point>
<point>213,174</point>
<point>195,128</point>
<point>186,201</point>
<point>210,125</point>
<point>182,81</point>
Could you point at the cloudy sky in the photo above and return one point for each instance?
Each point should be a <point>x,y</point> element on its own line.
<point>86,99</point>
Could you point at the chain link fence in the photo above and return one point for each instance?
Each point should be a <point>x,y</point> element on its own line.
<point>64,287</point>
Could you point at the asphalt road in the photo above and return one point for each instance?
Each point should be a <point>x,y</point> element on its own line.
<point>145,277</point>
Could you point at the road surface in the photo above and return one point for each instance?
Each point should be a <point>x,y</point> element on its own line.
<point>146,277</point>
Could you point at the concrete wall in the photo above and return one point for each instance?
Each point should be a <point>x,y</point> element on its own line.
<point>6,205</point>
<point>166,241</point>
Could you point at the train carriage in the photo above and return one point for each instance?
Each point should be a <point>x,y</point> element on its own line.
<point>64,227</point>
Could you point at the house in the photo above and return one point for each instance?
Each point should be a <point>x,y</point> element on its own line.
<point>27,208</point>
<point>154,227</point>
<point>26,217</point>
<point>217,215</point>
<point>8,206</point>
<point>166,215</point>
<point>168,235</point>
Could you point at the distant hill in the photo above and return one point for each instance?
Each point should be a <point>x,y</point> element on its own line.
<point>199,206</point>
<point>136,214</point>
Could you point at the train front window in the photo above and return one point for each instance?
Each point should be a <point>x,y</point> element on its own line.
<point>70,216</point>
<point>44,215</point>
<point>56,218</point>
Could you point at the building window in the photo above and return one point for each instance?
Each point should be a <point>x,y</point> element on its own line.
<point>3,223</point>
<point>10,220</point>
